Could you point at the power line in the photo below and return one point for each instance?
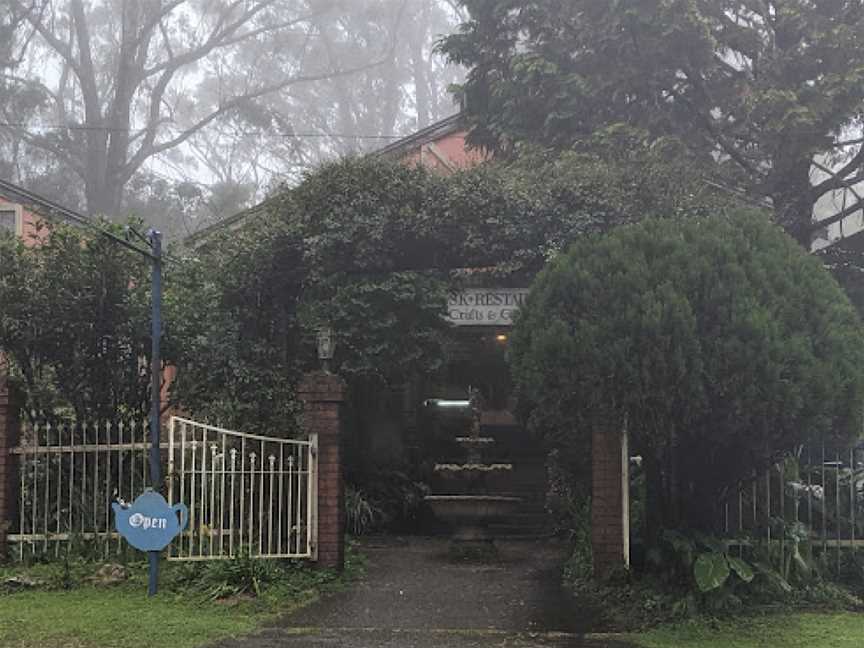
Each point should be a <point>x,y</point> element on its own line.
<point>137,131</point>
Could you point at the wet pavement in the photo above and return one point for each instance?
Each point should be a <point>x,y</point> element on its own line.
<point>414,595</point>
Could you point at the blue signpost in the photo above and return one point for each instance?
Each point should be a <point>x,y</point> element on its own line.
<point>156,391</point>
<point>150,524</point>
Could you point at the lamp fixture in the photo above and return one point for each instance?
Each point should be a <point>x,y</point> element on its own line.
<point>326,346</point>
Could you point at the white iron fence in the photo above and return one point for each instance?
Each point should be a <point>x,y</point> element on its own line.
<point>245,493</point>
<point>69,475</point>
<point>248,494</point>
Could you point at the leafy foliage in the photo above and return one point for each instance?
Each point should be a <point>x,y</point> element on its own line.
<point>360,515</point>
<point>369,247</point>
<point>710,571</point>
<point>717,342</point>
<point>766,89</point>
<point>396,498</point>
<point>701,560</point>
<point>233,306</point>
<point>241,575</point>
<point>74,321</point>
<point>366,246</point>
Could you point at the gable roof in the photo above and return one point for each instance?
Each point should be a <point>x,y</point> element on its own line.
<point>40,205</point>
<point>229,222</point>
<point>431,133</point>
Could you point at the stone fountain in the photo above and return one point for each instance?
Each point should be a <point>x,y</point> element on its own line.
<point>469,503</point>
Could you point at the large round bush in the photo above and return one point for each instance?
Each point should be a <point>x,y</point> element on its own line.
<point>718,342</point>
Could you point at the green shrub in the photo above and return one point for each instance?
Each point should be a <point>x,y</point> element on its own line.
<point>218,579</point>
<point>360,515</point>
<point>719,343</point>
<point>395,498</point>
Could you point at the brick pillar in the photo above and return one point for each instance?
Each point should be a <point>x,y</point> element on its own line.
<point>323,395</point>
<point>610,501</point>
<point>10,404</point>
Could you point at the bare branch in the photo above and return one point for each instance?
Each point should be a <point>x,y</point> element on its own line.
<point>16,59</point>
<point>45,145</point>
<point>851,142</point>
<point>31,83</point>
<point>839,216</point>
<point>62,48</point>
<point>216,39</point>
<point>239,38</point>
<point>847,183</point>
<point>166,40</point>
<point>148,149</point>
<point>727,146</point>
<point>837,179</point>
<point>219,38</point>
<point>157,18</point>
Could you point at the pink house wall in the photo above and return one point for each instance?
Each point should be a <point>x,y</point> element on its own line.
<point>446,154</point>
<point>30,222</point>
<point>31,228</point>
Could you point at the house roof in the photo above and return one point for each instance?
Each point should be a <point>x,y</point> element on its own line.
<point>436,131</point>
<point>431,133</point>
<point>230,222</point>
<point>39,204</point>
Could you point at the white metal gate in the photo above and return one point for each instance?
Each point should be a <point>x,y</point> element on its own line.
<point>247,494</point>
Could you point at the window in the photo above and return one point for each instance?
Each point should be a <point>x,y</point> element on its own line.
<point>10,218</point>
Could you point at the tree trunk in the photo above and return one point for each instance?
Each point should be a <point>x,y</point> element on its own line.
<point>791,195</point>
<point>795,214</point>
<point>108,174</point>
<point>421,84</point>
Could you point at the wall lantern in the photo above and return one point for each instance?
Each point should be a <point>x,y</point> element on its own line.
<point>326,346</point>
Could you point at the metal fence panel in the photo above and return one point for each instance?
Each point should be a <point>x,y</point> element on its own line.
<point>247,494</point>
<point>69,475</point>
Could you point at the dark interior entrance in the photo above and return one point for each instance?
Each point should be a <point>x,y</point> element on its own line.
<point>480,361</point>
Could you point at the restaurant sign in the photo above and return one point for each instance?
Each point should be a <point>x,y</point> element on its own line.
<point>484,306</point>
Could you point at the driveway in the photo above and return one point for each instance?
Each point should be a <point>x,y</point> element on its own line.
<point>414,596</point>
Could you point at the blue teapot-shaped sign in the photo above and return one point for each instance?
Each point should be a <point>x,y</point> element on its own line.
<point>150,524</point>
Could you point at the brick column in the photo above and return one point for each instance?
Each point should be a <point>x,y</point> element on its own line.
<point>10,404</point>
<point>610,501</point>
<point>323,395</point>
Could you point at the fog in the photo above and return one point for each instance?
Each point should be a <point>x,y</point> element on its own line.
<point>184,111</point>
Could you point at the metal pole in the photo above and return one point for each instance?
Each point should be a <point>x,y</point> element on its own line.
<point>156,392</point>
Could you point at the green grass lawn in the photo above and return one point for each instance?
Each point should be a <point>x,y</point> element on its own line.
<point>118,617</point>
<point>184,614</point>
<point>795,630</point>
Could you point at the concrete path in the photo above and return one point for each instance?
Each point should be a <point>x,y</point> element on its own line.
<point>414,596</point>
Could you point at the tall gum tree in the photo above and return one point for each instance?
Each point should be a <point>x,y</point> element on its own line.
<point>128,81</point>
